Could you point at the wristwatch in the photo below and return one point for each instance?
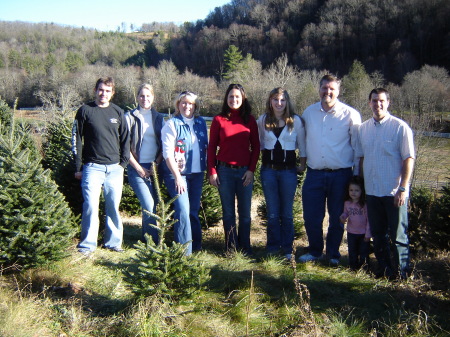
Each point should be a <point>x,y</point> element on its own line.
<point>402,189</point>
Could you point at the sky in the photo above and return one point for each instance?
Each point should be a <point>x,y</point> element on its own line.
<point>106,15</point>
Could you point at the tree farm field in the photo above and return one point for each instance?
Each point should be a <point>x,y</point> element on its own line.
<point>246,296</point>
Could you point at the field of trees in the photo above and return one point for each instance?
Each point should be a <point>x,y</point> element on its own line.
<point>47,289</point>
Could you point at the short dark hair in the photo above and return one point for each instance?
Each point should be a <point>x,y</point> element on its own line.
<point>330,78</point>
<point>379,91</point>
<point>109,81</point>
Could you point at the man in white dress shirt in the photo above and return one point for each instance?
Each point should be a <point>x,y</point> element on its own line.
<point>331,129</point>
<point>386,148</point>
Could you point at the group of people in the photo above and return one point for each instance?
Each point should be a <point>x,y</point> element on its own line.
<point>343,159</point>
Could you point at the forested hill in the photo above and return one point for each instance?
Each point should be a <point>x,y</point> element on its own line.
<point>391,36</point>
<point>388,38</point>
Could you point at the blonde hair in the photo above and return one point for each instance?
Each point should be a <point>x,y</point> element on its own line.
<point>190,95</point>
<point>147,86</point>
<point>271,121</point>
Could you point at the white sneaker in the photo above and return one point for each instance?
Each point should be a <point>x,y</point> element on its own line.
<point>307,258</point>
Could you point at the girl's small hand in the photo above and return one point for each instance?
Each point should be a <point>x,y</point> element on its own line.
<point>343,219</point>
<point>247,178</point>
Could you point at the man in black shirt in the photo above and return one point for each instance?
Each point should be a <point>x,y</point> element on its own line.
<point>101,147</point>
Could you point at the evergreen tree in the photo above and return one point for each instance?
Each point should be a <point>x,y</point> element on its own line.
<point>356,87</point>
<point>5,113</point>
<point>232,58</point>
<point>163,269</point>
<point>210,207</point>
<point>58,158</point>
<point>36,224</point>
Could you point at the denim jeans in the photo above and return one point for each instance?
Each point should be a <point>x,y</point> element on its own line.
<point>188,227</point>
<point>96,176</point>
<point>389,227</point>
<point>279,190</point>
<point>358,250</point>
<point>322,187</point>
<point>231,187</point>
<point>146,193</point>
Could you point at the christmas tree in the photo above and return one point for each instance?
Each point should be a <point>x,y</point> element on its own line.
<point>36,224</point>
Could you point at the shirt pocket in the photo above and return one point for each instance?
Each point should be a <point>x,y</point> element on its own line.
<point>390,148</point>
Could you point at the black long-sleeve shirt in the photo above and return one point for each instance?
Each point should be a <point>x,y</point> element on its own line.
<point>100,135</point>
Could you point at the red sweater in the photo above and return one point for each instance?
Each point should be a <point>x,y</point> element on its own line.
<point>238,142</point>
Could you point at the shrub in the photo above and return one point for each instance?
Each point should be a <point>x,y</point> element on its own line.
<point>58,158</point>
<point>429,219</point>
<point>129,203</point>
<point>36,224</point>
<point>210,206</point>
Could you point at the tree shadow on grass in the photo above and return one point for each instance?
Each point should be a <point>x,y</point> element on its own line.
<point>363,299</point>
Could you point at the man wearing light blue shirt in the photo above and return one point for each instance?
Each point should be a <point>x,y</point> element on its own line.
<point>386,148</point>
<point>331,129</point>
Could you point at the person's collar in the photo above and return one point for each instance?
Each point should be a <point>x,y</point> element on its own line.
<point>333,108</point>
<point>187,120</point>
<point>233,111</point>
<point>383,120</point>
<point>144,111</point>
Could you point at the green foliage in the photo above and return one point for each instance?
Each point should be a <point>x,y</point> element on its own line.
<point>36,224</point>
<point>429,219</point>
<point>129,203</point>
<point>166,271</point>
<point>73,61</point>
<point>58,158</point>
<point>356,86</point>
<point>6,113</point>
<point>210,206</point>
<point>161,269</point>
<point>232,58</point>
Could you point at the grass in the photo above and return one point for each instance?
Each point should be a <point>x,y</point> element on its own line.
<point>245,297</point>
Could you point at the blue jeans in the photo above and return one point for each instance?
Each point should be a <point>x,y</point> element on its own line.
<point>188,227</point>
<point>146,193</point>
<point>358,250</point>
<point>319,187</point>
<point>231,187</point>
<point>389,227</point>
<point>96,176</point>
<point>279,190</point>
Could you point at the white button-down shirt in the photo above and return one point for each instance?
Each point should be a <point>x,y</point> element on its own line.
<point>331,136</point>
<point>384,146</point>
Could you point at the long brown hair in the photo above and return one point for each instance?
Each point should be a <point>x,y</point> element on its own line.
<point>245,109</point>
<point>289,112</point>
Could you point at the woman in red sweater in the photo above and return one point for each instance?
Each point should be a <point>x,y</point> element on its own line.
<point>234,133</point>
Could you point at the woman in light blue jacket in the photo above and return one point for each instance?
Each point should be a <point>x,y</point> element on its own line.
<point>281,133</point>
<point>185,141</point>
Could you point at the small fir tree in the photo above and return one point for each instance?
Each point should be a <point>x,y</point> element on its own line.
<point>58,158</point>
<point>232,58</point>
<point>210,207</point>
<point>36,224</point>
<point>162,269</point>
